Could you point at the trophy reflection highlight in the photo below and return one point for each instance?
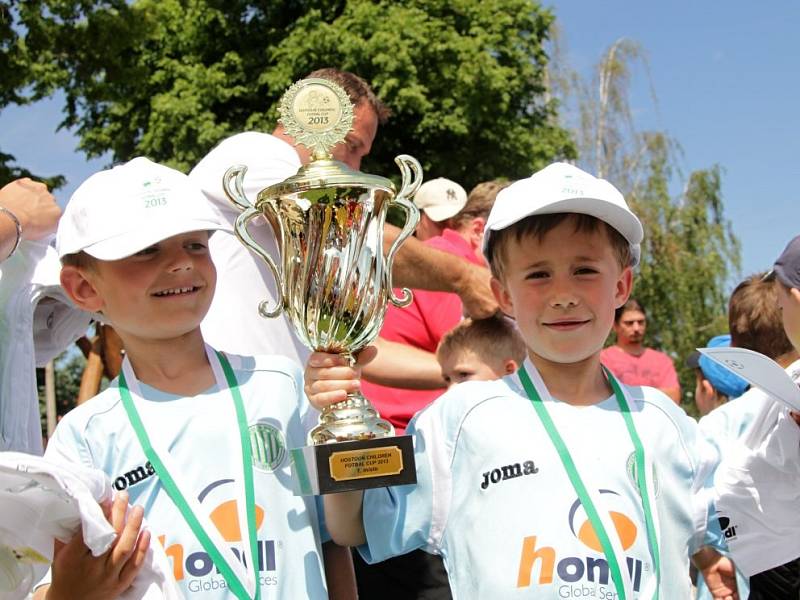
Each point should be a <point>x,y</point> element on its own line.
<point>334,283</point>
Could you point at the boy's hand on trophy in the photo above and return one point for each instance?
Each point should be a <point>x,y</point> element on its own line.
<point>330,377</point>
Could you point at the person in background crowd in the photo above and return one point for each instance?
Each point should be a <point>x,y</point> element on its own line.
<point>633,362</point>
<point>480,350</point>
<point>438,200</point>
<point>714,385</point>
<point>233,322</point>
<point>754,320</point>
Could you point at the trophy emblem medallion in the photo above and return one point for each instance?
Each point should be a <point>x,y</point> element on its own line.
<point>333,281</point>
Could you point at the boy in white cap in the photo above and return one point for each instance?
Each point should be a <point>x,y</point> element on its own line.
<point>438,200</point>
<point>556,481</point>
<point>197,438</point>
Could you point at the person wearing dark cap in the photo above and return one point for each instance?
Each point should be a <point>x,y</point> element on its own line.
<point>786,272</point>
<point>756,482</point>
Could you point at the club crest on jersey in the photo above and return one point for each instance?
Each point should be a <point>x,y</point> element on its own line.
<point>268,447</point>
<point>633,475</point>
<point>506,472</point>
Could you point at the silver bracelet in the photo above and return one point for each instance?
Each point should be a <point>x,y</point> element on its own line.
<point>14,218</point>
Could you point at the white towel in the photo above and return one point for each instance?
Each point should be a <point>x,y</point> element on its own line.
<point>41,501</point>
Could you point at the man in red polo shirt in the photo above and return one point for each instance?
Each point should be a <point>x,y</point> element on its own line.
<point>631,361</point>
<point>453,223</point>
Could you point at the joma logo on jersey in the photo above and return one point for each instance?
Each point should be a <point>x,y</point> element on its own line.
<point>572,569</point>
<point>225,518</point>
<point>134,476</point>
<point>508,472</point>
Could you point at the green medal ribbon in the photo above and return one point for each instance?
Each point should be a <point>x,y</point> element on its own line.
<point>580,488</point>
<point>174,492</point>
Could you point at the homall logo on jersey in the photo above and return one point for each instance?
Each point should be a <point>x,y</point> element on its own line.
<point>193,564</point>
<point>587,575</point>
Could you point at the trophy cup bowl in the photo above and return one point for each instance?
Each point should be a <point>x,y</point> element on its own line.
<point>334,285</point>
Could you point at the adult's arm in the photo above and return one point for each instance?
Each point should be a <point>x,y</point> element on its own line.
<point>670,384</point>
<point>403,366</point>
<point>419,266</point>
<point>34,207</point>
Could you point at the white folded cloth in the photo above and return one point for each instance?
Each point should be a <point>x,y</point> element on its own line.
<point>41,501</point>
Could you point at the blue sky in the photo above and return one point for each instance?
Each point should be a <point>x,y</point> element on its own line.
<point>727,79</point>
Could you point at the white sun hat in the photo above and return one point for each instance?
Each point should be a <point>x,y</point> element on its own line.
<point>118,212</point>
<point>564,188</point>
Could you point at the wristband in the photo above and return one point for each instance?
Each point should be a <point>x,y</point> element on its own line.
<point>14,218</point>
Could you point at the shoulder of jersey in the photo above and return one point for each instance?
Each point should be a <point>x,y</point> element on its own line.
<point>101,403</point>
<point>458,401</point>
<point>265,363</point>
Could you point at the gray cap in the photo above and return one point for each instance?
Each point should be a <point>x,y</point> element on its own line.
<point>787,267</point>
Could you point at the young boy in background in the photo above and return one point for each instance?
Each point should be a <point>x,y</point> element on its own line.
<point>480,350</point>
<point>715,385</point>
<point>557,481</point>
<point>196,438</point>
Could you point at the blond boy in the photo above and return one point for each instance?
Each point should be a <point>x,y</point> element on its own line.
<point>556,482</point>
<point>480,350</point>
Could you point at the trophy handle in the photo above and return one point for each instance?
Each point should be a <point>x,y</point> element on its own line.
<point>242,221</point>
<point>233,184</point>
<point>412,178</point>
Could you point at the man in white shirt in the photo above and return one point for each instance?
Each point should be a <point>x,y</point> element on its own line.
<point>244,281</point>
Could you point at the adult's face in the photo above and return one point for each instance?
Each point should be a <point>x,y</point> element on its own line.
<point>428,228</point>
<point>358,142</point>
<point>631,327</point>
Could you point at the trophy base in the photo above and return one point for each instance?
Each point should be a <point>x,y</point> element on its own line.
<point>357,465</point>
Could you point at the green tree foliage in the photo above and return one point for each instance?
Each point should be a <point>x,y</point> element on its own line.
<point>15,79</point>
<point>169,78</point>
<point>690,253</point>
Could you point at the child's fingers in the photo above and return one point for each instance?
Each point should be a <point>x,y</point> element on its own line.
<point>126,540</point>
<point>136,560</point>
<point>325,399</point>
<point>334,390</point>
<point>328,373</point>
<point>119,509</point>
<point>326,359</point>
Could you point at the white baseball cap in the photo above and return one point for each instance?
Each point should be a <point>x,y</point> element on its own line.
<point>440,198</point>
<point>120,211</point>
<point>564,188</point>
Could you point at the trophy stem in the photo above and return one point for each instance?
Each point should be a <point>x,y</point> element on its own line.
<point>350,420</point>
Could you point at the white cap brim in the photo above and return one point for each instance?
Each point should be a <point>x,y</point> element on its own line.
<point>129,243</point>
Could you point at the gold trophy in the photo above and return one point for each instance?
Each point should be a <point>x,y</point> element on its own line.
<point>334,283</point>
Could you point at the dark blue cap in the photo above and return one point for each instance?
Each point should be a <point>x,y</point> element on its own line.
<point>787,267</point>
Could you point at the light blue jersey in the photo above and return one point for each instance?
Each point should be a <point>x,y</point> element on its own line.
<point>494,500</point>
<point>98,434</point>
